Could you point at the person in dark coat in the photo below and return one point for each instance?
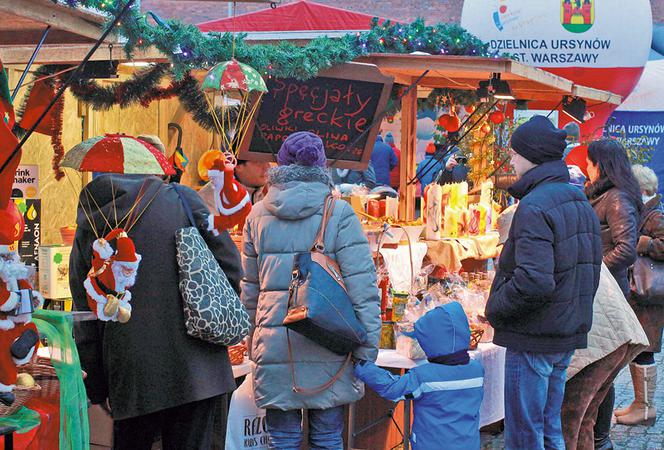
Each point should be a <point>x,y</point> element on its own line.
<point>156,378</point>
<point>651,316</point>
<point>447,166</point>
<point>394,173</point>
<point>383,160</point>
<point>541,300</point>
<point>616,198</point>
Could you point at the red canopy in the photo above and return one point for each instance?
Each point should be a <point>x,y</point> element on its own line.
<point>302,15</point>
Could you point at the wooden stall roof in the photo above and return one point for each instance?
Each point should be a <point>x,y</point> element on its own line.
<point>73,31</point>
<point>465,72</point>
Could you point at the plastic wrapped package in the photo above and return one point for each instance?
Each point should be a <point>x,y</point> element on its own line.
<point>406,345</point>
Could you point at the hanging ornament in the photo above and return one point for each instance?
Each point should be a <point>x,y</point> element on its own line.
<point>237,89</point>
<point>497,117</point>
<point>469,109</point>
<point>486,129</point>
<point>449,122</point>
<point>112,274</point>
<point>390,119</point>
<point>231,199</point>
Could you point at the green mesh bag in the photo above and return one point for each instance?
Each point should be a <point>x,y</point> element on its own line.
<point>23,420</point>
<point>57,327</point>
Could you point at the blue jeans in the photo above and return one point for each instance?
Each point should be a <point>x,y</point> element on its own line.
<point>325,428</point>
<point>534,391</point>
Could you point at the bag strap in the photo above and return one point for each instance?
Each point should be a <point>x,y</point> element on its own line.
<point>322,387</point>
<point>185,205</point>
<point>328,209</point>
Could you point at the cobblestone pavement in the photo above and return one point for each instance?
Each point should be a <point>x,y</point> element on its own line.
<point>632,438</point>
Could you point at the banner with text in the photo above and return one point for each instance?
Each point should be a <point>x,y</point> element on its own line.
<point>645,131</point>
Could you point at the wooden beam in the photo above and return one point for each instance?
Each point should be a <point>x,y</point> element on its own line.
<point>73,54</point>
<point>596,95</point>
<point>407,165</point>
<point>58,16</point>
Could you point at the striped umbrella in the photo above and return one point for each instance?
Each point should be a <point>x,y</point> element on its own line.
<point>117,153</point>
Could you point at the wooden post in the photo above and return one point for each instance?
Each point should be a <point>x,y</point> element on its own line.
<point>407,166</point>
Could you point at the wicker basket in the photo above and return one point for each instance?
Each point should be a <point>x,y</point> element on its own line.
<point>23,394</point>
<point>475,336</point>
<point>236,354</point>
<point>45,376</point>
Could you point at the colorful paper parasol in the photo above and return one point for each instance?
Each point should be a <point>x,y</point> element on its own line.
<point>231,75</point>
<point>117,153</point>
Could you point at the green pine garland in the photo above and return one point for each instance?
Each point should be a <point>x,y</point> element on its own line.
<point>189,48</point>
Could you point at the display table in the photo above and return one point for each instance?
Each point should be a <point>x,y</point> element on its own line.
<point>449,252</point>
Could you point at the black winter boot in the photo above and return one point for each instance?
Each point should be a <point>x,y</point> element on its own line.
<point>603,424</point>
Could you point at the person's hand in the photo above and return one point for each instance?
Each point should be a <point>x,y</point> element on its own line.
<point>451,163</point>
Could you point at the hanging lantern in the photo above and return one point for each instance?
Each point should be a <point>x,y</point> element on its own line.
<point>449,122</point>
<point>497,117</point>
<point>390,119</point>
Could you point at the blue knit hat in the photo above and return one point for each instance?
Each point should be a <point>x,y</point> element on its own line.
<point>303,148</point>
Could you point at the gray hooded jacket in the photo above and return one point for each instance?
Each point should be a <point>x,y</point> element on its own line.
<point>283,224</point>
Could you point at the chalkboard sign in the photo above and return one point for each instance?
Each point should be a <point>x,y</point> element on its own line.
<point>339,105</point>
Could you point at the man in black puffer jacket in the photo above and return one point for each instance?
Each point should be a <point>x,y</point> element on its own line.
<point>542,298</point>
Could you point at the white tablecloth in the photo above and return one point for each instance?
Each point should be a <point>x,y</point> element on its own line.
<point>493,360</point>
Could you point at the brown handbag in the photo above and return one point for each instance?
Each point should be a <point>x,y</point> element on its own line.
<point>646,278</point>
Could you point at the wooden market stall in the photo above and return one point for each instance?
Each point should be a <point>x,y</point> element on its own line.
<point>75,30</point>
<point>465,73</point>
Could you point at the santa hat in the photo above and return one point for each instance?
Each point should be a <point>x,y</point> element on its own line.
<point>126,251</point>
<point>219,165</point>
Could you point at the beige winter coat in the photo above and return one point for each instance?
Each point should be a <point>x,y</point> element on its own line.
<point>614,324</point>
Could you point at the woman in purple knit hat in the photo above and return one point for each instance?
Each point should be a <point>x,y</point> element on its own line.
<point>283,224</point>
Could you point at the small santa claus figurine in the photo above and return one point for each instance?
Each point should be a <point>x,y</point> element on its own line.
<point>112,274</point>
<point>232,200</point>
<point>19,337</point>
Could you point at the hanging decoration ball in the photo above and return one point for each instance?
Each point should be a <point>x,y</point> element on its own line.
<point>390,119</point>
<point>497,117</point>
<point>469,109</point>
<point>206,161</point>
<point>486,129</point>
<point>449,122</point>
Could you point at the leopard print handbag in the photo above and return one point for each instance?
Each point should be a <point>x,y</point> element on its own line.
<point>212,310</point>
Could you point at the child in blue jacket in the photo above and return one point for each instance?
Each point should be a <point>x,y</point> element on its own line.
<point>447,391</point>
